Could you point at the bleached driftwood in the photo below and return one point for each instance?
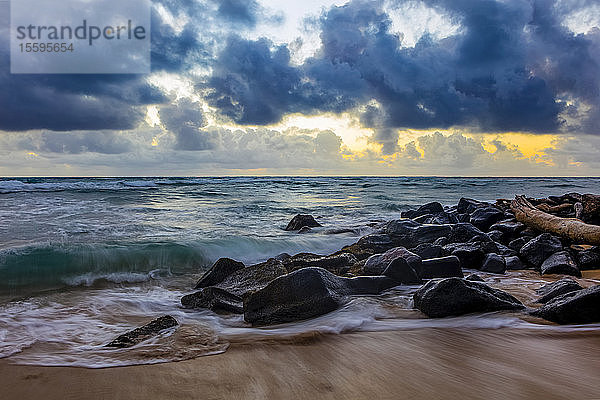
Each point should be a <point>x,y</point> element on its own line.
<point>569,228</point>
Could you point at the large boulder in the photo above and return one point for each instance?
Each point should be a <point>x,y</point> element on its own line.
<point>441,218</point>
<point>494,263</point>
<point>471,254</point>
<point>219,271</point>
<point>442,267</point>
<point>578,307</point>
<point>497,236</point>
<point>514,263</point>
<point>518,243</point>
<point>560,263</point>
<point>484,217</point>
<point>589,259</point>
<point>376,264</point>
<point>375,243</point>
<point>429,208</point>
<point>427,250</point>
<point>465,231</point>
<point>300,221</point>
<point>429,234</point>
<point>401,227</point>
<point>552,290</point>
<point>504,250</point>
<point>538,249</point>
<point>145,332</point>
<point>338,263</point>
<point>511,228</point>
<point>307,293</point>
<point>409,233</point>
<point>252,278</point>
<point>467,206</point>
<point>215,299</point>
<point>402,272</point>
<point>454,296</point>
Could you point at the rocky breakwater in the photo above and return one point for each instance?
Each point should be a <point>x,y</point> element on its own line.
<point>431,246</point>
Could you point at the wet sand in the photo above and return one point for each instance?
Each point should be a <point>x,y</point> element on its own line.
<point>419,364</point>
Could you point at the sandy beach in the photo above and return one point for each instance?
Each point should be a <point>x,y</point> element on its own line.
<point>421,364</point>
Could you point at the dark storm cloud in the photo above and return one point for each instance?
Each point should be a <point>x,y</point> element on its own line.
<point>512,67</point>
<point>93,102</point>
<point>254,83</point>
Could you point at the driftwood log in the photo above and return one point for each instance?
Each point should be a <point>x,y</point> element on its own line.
<point>569,228</point>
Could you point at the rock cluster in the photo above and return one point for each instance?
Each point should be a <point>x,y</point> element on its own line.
<point>432,243</point>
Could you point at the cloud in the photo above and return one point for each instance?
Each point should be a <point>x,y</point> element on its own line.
<point>185,119</point>
<point>69,102</point>
<point>512,66</point>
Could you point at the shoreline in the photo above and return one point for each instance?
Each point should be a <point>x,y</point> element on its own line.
<point>417,364</point>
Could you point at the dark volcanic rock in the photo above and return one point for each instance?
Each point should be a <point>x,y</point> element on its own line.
<point>579,307</point>
<point>376,264</point>
<point>441,241</point>
<point>454,296</point>
<point>423,218</point>
<point>300,221</point>
<point>505,251</point>
<point>493,263</point>
<point>401,227</point>
<point>145,332</point>
<point>408,233</point>
<point>484,217</point>
<point>589,259</point>
<point>538,249</point>
<point>467,206</point>
<point>305,229</point>
<point>307,293</point>
<point>463,217</point>
<point>441,218</point>
<point>560,263</point>
<point>376,243</point>
<point>470,254</point>
<point>514,263</point>
<point>442,267</point>
<point>558,288</point>
<point>518,243</point>
<point>496,236</point>
<point>219,271</point>
<point>427,250</point>
<point>283,257</point>
<point>429,233</point>
<point>474,278</point>
<point>215,299</point>
<point>465,231</point>
<point>429,208</point>
<point>402,272</point>
<point>338,263</point>
<point>511,228</point>
<point>252,278</point>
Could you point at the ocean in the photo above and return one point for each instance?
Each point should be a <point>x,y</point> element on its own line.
<point>85,259</point>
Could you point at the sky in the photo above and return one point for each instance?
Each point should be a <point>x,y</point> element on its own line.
<point>323,87</point>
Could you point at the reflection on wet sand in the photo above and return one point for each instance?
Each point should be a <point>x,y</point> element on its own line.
<point>416,364</point>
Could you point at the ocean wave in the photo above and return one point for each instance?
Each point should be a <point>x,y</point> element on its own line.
<point>54,265</point>
<point>17,186</point>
